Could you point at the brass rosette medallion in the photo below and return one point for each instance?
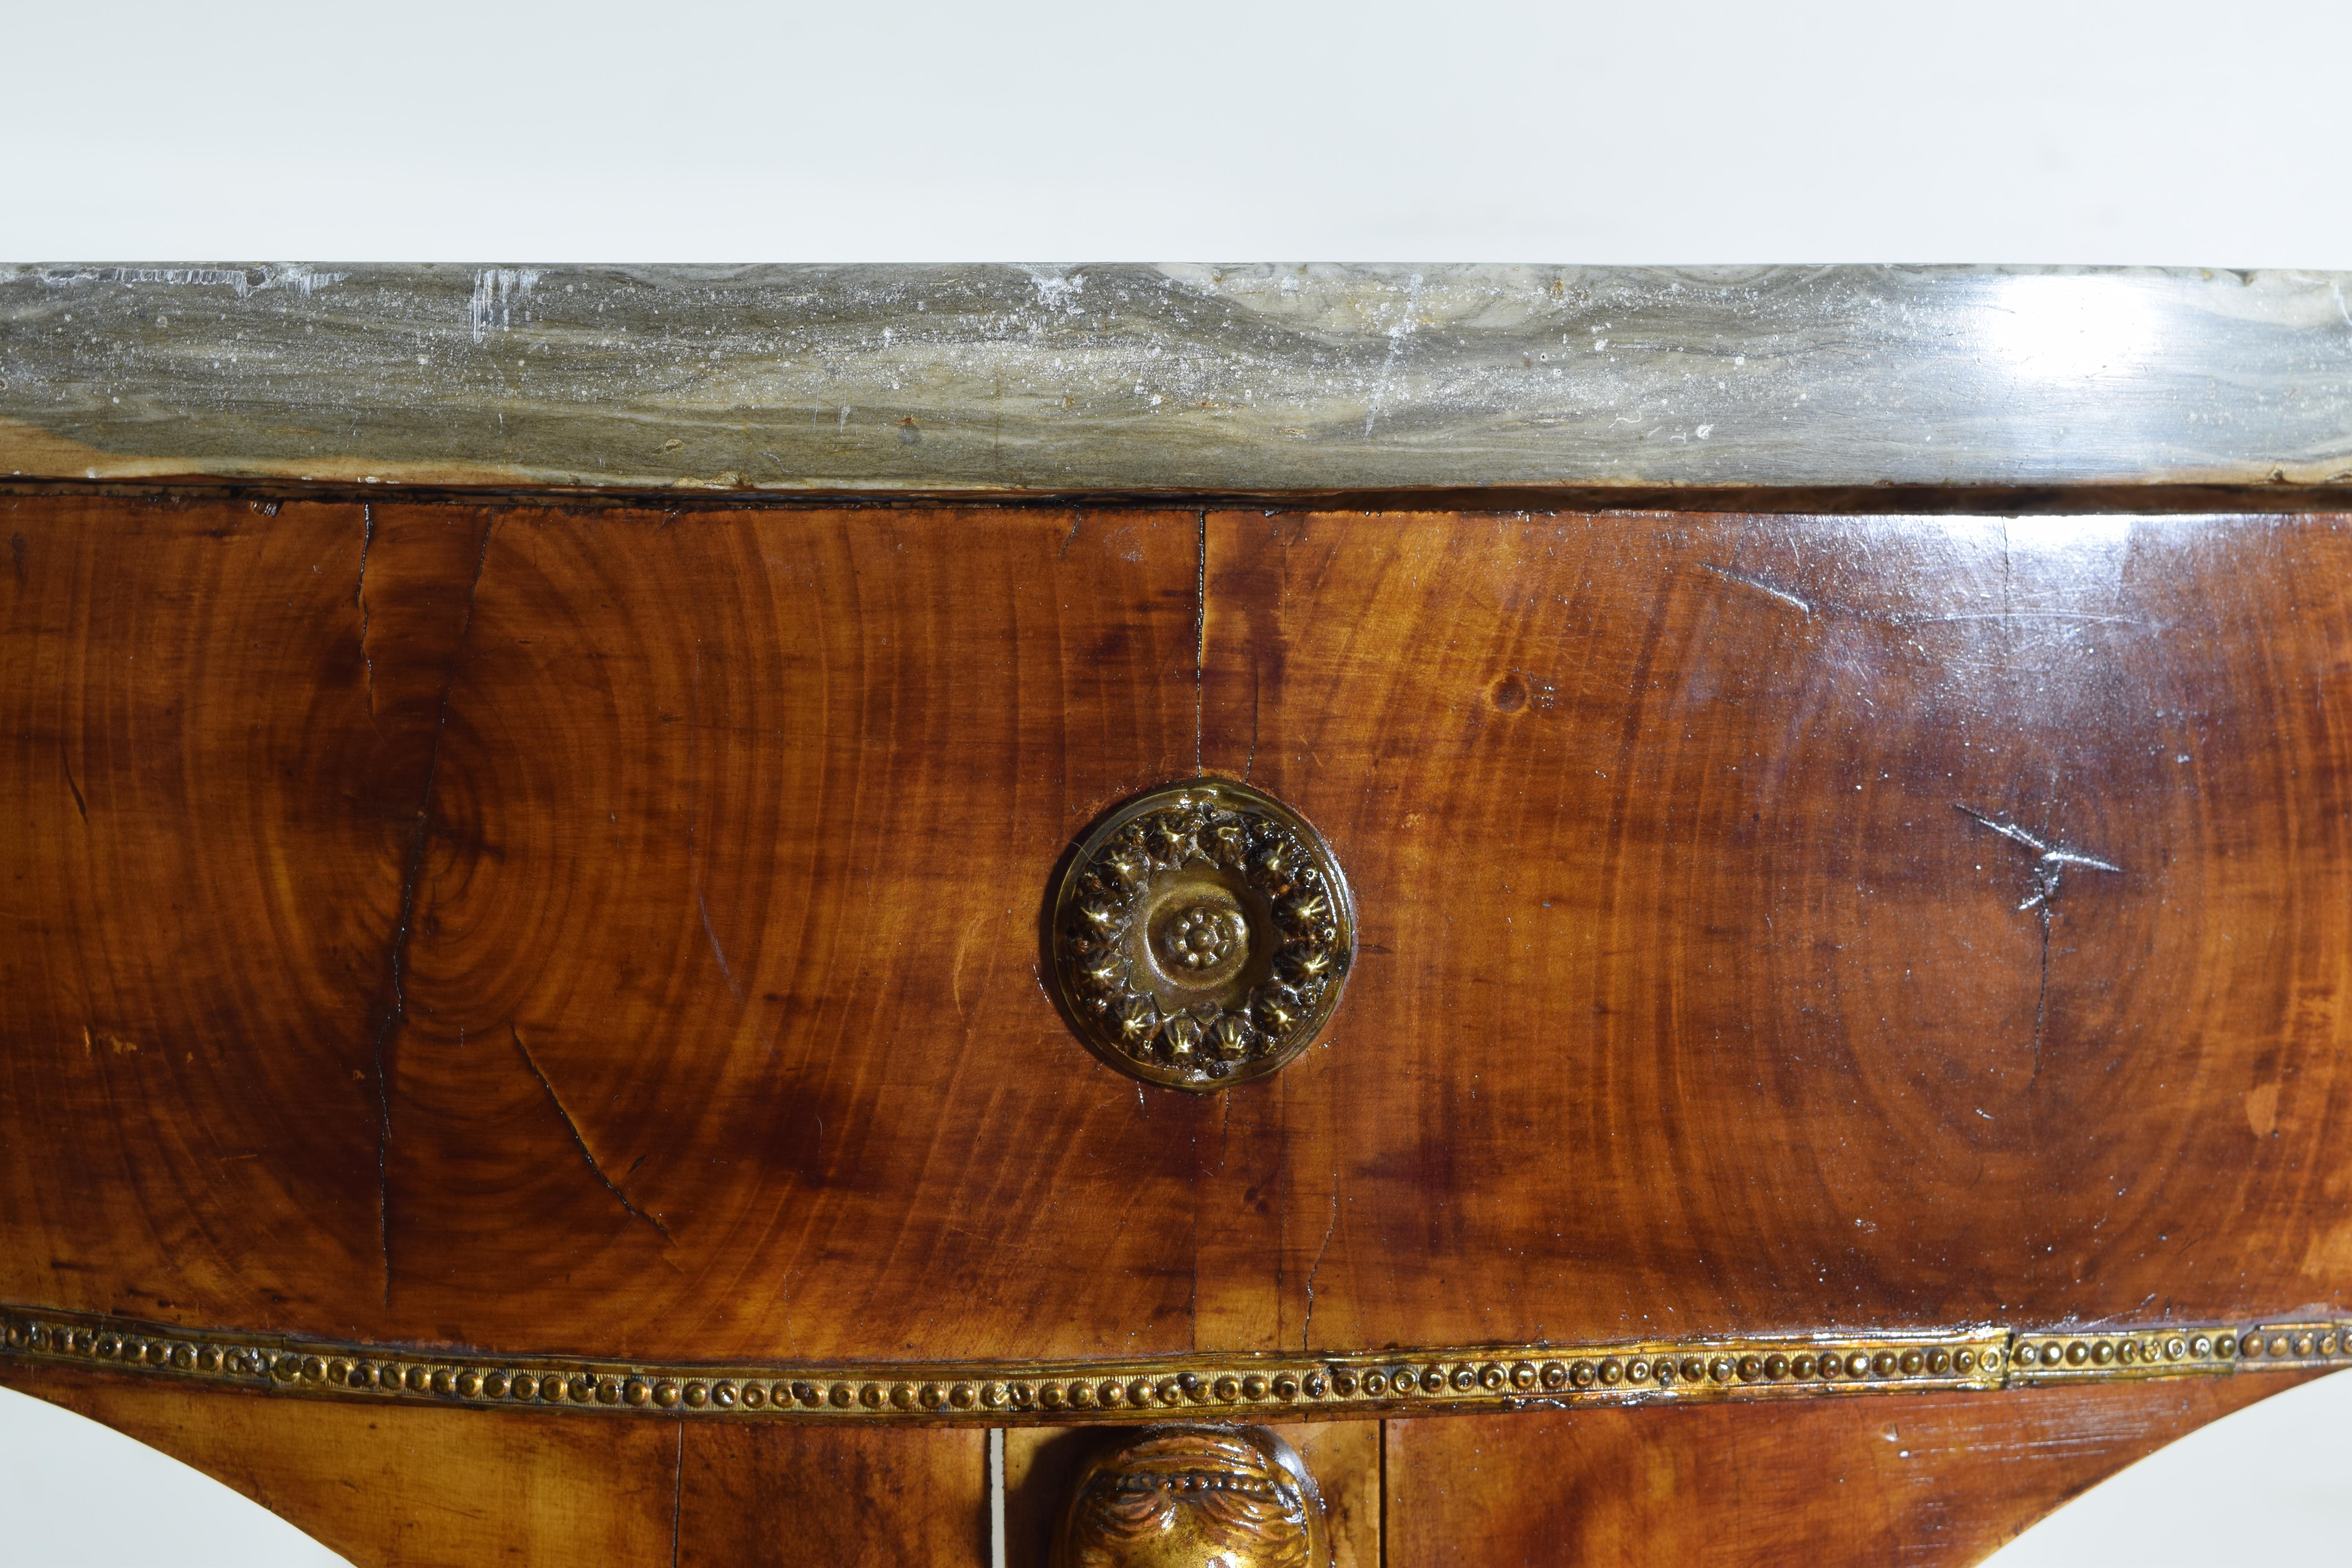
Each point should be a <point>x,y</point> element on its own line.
<point>1201,935</point>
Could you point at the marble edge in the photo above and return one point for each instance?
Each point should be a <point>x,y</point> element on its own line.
<point>995,380</point>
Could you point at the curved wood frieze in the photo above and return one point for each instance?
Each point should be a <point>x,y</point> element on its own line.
<point>1424,1381</point>
<point>1701,962</point>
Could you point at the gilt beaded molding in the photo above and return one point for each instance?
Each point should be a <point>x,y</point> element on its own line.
<point>1240,1386</point>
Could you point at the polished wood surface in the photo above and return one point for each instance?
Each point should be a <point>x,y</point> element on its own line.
<point>545,929</point>
<point>1900,1478</point>
<point>602,931</point>
<point>1700,987</point>
<point>432,1487</point>
<point>422,1489</point>
<point>861,1499</point>
<point>1910,1479</point>
<point>515,928</point>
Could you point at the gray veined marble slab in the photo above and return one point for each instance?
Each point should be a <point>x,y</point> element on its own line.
<point>1203,380</point>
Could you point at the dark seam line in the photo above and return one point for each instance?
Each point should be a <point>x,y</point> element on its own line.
<point>398,960</point>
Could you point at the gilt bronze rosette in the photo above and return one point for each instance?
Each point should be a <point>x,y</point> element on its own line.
<point>1201,935</point>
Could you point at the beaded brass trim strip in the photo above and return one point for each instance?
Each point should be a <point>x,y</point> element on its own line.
<point>1252,1386</point>
<point>2127,1354</point>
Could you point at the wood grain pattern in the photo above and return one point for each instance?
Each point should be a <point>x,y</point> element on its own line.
<point>1191,380</point>
<point>551,928</point>
<point>599,931</point>
<point>752,1496</point>
<point>204,881</point>
<point>1908,1479</point>
<point>1690,994</point>
<point>579,911</point>
<point>1902,1478</point>
<point>416,1488</point>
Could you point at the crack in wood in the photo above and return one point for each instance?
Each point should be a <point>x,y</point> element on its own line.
<point>397,958</point>
<point>2049,870</point>
<point>580,1139</point>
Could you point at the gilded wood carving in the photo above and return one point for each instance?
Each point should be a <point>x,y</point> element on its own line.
<point>1182,1496</point>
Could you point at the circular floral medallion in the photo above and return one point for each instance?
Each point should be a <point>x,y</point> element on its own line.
<point>1201,935</point>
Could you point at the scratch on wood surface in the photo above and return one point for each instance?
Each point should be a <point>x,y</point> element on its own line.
<point>1759,584</point>
<point>1307,1329</point>
<point>2069,616</point>
<point>579,1139</point>
<point>727,974</point>
<point>65,762</point>
<point>1193,1301</point>
<point>359,598</point>
<point>963,951</point>
<point>2050,864</point>
<point>1250,766</point>
<point>676,1493</point>
<point>2050,860</point>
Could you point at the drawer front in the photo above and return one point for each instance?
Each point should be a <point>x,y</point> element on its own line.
<point>618,934</point>
<point>533,954</point>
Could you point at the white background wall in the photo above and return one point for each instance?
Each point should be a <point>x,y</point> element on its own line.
<point>2152,131</point>
<point>1481,130</point>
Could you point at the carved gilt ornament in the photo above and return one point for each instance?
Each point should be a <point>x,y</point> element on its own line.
<point>1182,1497</point>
